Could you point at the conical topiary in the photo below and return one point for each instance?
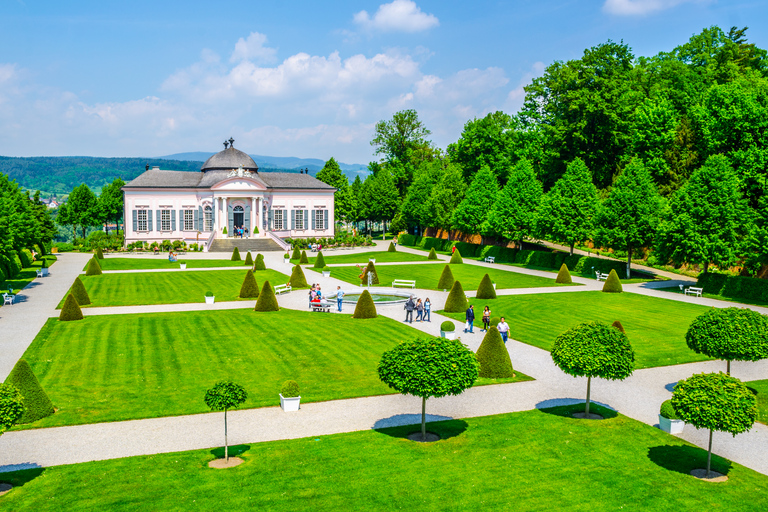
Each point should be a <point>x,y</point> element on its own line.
<point>70,310</point>
<point>372,269</point>
<point>432,254</point>
<point>456,258</point>
<point>493,356</point>
<point>446,279</point>
<point>320,260</point>
<point>617,325</point>
<point>303,260</point>
<point>236,255</point>
<point>485,290</point>
<point>80,293</point>
<point>259,264</point>
<point>248,259</point>
<point>365,307</point>
<point>391,247</point>
<point>267,300</point>
<point>37,405</point>
<point>456,301</point>
<point>99,253</point>
<point>296,254</point>
<point>298,279</point>
<point>612,284</point>
<point>93,269</point>
<point>564,276</point>
<point>250,289</point>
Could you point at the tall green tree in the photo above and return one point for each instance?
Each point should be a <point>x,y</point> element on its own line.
<point>472,211</point>
<point>384,198</point>
<point>343,198</point>
<point>628,217</point>
<point>567,211</point>
<point>415,207</point>
<point>47,228</point>
<point>111,203</point>
<point>485,142</point>
<point>83,208</point>
<point>514,212</point>
<point>445,197</point>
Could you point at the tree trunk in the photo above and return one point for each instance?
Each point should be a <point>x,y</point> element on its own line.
<point>572,244</point>
<point>586,409</point>
<point>226,448</point>
<point>629,261</point>
<point>728,367</point>
<point>706,267</point>
<point>709,453</point>
<point>423,419</point>
<point>520,244</point>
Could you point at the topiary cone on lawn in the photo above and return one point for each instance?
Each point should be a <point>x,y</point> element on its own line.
<point>391,247</point>
<point>94,269</point>
<point>370,268</point>
<point>248,259</point>
<point>99,253</point>
<point>320,260</point>
<point>457,300</point>
<point>493,356</point>
<point>617,325</point>
<point>236,255</point>
<point>259,264</point>
<point>612,284</point>
<point>296,254</point>
<point>485,290</point>
<point>432,254</point>
<point>456,258</point>
<point>446,279</point>
<point>303,260</point>
<point>298,279</point>
<point>365,307</point>
<point>267,300</point>
<point>250,289</point>
<point>80,293</point>
<point>71,310</point>
<point>564,276</point>
<point>37,405</point>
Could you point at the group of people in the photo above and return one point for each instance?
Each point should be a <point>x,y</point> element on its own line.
<point>240,232</point>
<point>502,326</point>
<point>172,256</point>
<point>315,247</point>
<point>423,310</point>
<point>316,296</point>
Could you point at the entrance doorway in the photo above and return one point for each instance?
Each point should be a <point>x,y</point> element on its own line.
<point>238,216</point>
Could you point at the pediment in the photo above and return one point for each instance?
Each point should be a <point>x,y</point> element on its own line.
<point>239,183</point>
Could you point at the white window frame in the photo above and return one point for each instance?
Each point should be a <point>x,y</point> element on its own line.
<point>300,220</point>
<point>320,220</point>
<point>142,224</point>
<point>165,220</point>
<point>188,220</point>
<point>207,219</point>
<point>279,220</point>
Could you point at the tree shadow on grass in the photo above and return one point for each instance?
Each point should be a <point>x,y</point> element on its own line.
<point>19,474</point>
<point>683,459</point>
<point>565,407</point>
<point>234,451</point>
<point>446,429</point>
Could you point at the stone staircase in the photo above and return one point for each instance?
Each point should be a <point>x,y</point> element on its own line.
<point>244,244</point>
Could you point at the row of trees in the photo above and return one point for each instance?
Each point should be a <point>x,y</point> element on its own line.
<point>84,209</point>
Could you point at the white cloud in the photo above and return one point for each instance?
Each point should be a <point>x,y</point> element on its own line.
<point>398,16</point>
<point>517,95</point>
<point>640,7</point>
<point>253,48</point>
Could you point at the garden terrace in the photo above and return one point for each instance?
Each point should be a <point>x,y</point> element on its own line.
<point>538,460</point>
<point>163,263</point>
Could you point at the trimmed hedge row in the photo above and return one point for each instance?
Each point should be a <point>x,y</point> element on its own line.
<point>749,288</point>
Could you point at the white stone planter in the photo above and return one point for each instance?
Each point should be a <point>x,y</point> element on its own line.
<point>209,300</point>
<point>326,273</point>
<point>289,404</point>
<point>183,266</point>
<point>449,335</point>
<point>286,260</point>
<point>494,286</point>
<point>372,260</point>
<point>671,426</point>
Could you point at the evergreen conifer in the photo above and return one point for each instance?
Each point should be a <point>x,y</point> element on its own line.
<point>612,284</point>
<point>446,279</point>
<point>99,253</point>
<point>37,405</point>
<point>298,279</point>
<point>564,276</point>
<point>267,300</point>
<point>80,293</point>
<point>250,288</point>
<point>71,310</point>
<point>259,264</point>
<point>493,356</point>
<point>432,254</point>
<point>486,290</point>
<point>456,258</point>
<point>296,254</point>
<point>391,247</point>
<point>236,255</point>
<point>370,268</point>
<point>365,307</point>
<point>303,260</point>
<point>457,300</point>
<point>94,269</point>
<point>248,259</point>
<point>320,260</point>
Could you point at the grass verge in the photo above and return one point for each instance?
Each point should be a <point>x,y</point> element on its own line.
<point>161,262</point>
<point>26,276</point>
<point>332,258</point>
<point>760,387</point>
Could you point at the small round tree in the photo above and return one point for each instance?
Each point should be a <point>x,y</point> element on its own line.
<point>486,290</point>
<point>93,269</point>
<point>715,401</point>
<point>319,261</point>
<point>446,279</point>
<point>80,293</point>
<point>564,276</point>
<point>732,334</point>
<point>249,289</point>
<point>298,279</point>
<point>456,258</point>
<point>431,367</point>
<point>391,247</point>
<point>236,255</point>
<point>70,310</point>
<point>221,397</point>
<point>267,300</point>
<point>594,349</point>
<point>37,405</point>
<point>457,300</point>
<point>11,406</point>
<point>613,283</point>
<point>99,253</point>
<point>296,254</point>
<point>432,254</point>
<point>370,268</point>
<point>493,356</point>
<point>259,263</point>
<point>365,308</point>
<point>303,260</point>
<point>248,259</point>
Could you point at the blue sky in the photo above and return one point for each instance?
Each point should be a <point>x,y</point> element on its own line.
<point>301,78</point>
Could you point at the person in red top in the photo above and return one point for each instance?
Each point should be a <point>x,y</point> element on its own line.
<point>453,249</point>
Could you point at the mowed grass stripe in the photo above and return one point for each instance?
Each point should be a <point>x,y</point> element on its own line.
<point>161,262</point>
<point>333,258</point>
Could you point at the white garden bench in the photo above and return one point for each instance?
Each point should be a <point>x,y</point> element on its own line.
<point>8,298</point>
<point>490,259</point>
<point>322,306</point>
<point>692,290</point>
<point>599,276</point>
<point>282,288</point>
<point>39,272</point>
<point>403,282</point>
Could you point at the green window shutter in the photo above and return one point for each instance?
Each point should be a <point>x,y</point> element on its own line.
<point>325,218</point>
<point>312,213</point>
<point>173,220</point>
<point>271,216</point>
<point>293,219</point>
<point>149,220</point>
<point>196,220</point>
<point>135,220</point>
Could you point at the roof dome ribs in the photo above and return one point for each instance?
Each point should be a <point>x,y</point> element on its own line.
<point>229,159</point>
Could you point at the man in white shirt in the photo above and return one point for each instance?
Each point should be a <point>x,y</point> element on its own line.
<point>503,328</point>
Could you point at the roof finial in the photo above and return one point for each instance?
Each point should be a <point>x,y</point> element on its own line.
<point>231,142</point>
<point>225,144</point>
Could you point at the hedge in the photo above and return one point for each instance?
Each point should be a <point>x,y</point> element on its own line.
<point>37,405</point>
<point>267,300</point>
<point>457,300</point>
<point>259,264</point>
<point>79,292</point>
<point>303,260</point>
<point>319,260</point>
<point>738,287</point>
<point>446,279</point>
<point>563,276</point>
<point>249,289</point>
<point>70,310</point>
<point>493,356</point>
<point>235,255</point>
<point>613,283</point>
<point>365,307</point>
<point>298,279</point>
<point>456,258</point>
<point>486,290</point>
<point>26,258</point>
<point>93,269</point>
<point>372,269</point>
<point>248,259</point>
<point>432,254</point>
<point>391,247</point>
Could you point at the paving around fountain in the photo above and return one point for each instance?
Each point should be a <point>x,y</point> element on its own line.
<point>637,397</point>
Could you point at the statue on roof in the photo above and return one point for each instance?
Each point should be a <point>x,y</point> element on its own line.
<point>231,142</point>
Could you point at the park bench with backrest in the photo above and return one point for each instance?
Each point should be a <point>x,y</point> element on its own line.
<point>39,272</point>
<point>404,283</point>
<point>490,259</point>
<point>600,276</point>
<point>322,306</point>
<point>282,288</point>
<point>8,298</point>
<point>692,290</point>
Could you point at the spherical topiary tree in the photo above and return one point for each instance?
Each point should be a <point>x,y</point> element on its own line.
<point>303,260</point>
<point>236,255</point>
<point>37,405</point>
<point>613,283</point>
<point>296,254</point>
<point>457,300</point>
<point>259,263</point>
<point>248,259</point>
<point>298,279</point>
<point>80,293</point>
<point>432,254</point>
<point>365,307</point>
<point>447,326</point>
<point>93,268</point>
<point>267,300</point>
<point>290,389</point>
<point>594,349</point>
<point>370,268</point>
<point>11,406</point>
<point>70,310</point>
<point>486,290</point>
<point>456,258</point>
<point>493,356</point>
<point>733,334</point>
<point>249,289</point>
<point>715,401</point>
<point>221,397</point>
<point>564,276</point>
<point>391,247</point>
<point>319,261</point>
<point>431,367</point>
<point>98,253</point>
<point>446,279</point>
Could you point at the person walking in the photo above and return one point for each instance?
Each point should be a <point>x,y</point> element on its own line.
<point>470,316</point>
<point>339,297</point>
<point>486,318</point>
<point>503,328</point>
<point>419,311</point>
<point>427,309</point>
<point>409,307</point>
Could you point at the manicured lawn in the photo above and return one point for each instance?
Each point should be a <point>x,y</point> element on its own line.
<point>26,276</point>
<point>338,257</point>
<point>118,367</point>
<point>533,460</point>
<point>139,288</point>
<point>655,327</point>
<point>735,300</point>
<point>761,386</point>
<point>161,262</point>
<point>427,276</point>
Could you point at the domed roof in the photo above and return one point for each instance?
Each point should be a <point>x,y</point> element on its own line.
<point>229,159</point>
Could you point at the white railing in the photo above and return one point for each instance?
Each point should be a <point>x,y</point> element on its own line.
<point>282,243</point>
<point>209,241</point>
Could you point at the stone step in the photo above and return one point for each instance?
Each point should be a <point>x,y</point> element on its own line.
<point>244,244</point>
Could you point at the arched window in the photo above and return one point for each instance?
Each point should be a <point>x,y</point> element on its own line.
<point>238,209</point>
<point>208,219</point>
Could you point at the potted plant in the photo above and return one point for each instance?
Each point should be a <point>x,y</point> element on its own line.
<point>448,330</point>
<point>224,231</point>
<point>326,271</point>
<point>182,264</point>
<point>209,298</point>
<point>289,396</point>
<point>287,258</point>
<point>669,421</point>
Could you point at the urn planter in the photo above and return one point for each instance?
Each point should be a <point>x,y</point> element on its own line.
<point>183,266</point>
<point>449,335</point>
<point>671,426</point>
<point>290,404</point>
<point>210,300</point>
<point>326,273</point>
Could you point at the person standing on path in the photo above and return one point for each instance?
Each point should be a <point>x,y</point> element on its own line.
<point>486,318</point>
<point>427,309</point>
<point>419,311</point>
<point>470,315</point>
<point>339,297</point>
<point>409,307</point>
<point>503,328</point>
